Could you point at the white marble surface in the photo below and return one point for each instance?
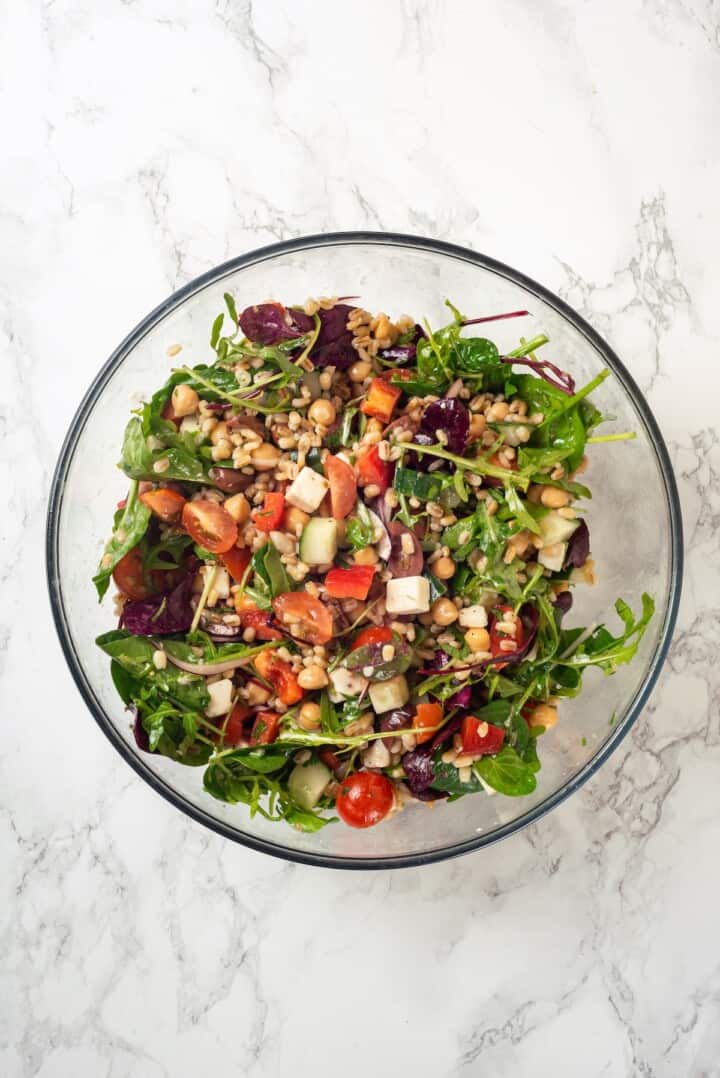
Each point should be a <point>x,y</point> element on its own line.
<point>147,140</point>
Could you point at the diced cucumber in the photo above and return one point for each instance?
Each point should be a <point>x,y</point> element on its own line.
<point>387,695</point>
<point>307,782</point>
<point>318,542</point>
<point>556,529</point>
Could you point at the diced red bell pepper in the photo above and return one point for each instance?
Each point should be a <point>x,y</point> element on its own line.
<point>280,676</point>
<point>480,738</point>
<point>381,400</point>
<point>426,718</point>
<point>377,634</point>
<point>236,561</point>
<point>234,727</point>
<point>374,471</point>
<point>269,518</point>
<point>164,503</point>
<point>353,583</point>
<point>252,617</point>
<point>265,728</point>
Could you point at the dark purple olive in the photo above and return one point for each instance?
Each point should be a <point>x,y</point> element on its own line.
<point>578,549</point>
<point>399,719</point>
<point>231,480</point>
<point>450,416</point>
<point>461,698</point>
<point>247,422</point>
<point>406,556</point>
<point>563,602</point>
<point>140,733</point>
<point>215,626</point>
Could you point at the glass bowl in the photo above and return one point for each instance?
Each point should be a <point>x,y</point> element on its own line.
<point>634,521</point>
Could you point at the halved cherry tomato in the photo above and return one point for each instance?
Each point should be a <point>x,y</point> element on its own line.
<point>496,637</point>
<point>373,470</point>
<point>265,728</point>
<point>236,561</point>
<point>343,486</point>
<point>480,738</point>
<point>280,676</point>
<point>234,727</point>
<point>427,715</point>
<point>381,400</point>
<point>269,518</point>
<point>252,617</point>
<point>129,577</point>
<point>378,634</point>
<point>352,583</point>
<point>305,616</point>
<point>164,503</point>
<point>209,525</point>
<point>364,799</point>
<point>492,481</point>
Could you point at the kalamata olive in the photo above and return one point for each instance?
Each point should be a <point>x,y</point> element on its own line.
<point>406,556</point>
<point>247,422</point>
<point>450,416</point>
<point>231,480</point>
<point>399,719</point>
<point>578,549</point>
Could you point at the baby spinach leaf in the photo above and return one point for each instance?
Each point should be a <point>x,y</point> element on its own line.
<point>129,530</point>
<point>479,357</point>
<point>447,778</point>
<point>507,772</point>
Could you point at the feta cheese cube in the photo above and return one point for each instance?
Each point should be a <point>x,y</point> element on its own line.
<point>553,557</point>
<point>220,698</point>
<point>307,491</point>
<point>388,695</point>
<point>346,683</point>
<point>408,595</point>
<point>473,617</point>
<point>220,581</point>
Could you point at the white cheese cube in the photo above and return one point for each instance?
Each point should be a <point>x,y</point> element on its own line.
<point>346,683</point>
<point>190,424</point>
<point>473,617</point>
<point>307,491</point>
<point>220,698</point>
<point>220,583</point>
<point>408,595</point>
<point>552,557</point>
<point>388,695</point>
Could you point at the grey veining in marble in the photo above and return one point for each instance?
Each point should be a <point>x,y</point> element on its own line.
<point>144,142</point>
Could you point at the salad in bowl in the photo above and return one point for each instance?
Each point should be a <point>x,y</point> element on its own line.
<point>345,559</point>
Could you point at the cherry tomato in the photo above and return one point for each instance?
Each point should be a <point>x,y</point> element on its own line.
<point>236,561</point>
<point>353,583</point>
<point>427,715</point>
<point>373,470</point>
<point>480,738</point>
<point>269,518</point>
<point>496,637</point>
<point>381,400</point>
<point>251,617</point>
<point>364,799</point>
<point>234,727</point>
<point>378,634</point>
<point>265,728</point>
<point>129,577</point>
<point>209,525</point>
<point>491,480</point>
<point>280,676</point>
<point>343,486</point>
<point>306,617</point>
<point>164,503</point>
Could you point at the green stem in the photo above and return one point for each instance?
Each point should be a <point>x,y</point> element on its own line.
<point>238,398</point>
<point>305,354</point>
<point>477,465</point>
<point>625,436</point>
<point>528,346</point>
<point>575,399</point>
<point>209,581</point>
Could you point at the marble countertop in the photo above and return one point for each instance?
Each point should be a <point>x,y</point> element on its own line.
<point>147,141</point>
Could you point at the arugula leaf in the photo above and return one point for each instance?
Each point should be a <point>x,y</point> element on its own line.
<point>360,529</point>
<point>562,429</point>
<point>268,567</point>
<point>507,772</point>
<point>606,651</point>
<point>520,512</point>
<point>129,530</point>
<point>135,655</point>
<point>426,487</point>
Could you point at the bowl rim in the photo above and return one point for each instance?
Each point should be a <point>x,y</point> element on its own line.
<point>358,238</point>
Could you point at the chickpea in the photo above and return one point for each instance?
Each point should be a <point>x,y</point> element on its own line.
<point>478,426</point>
<point>360,371</point>
<point>312,677</point>
<point>368,555</point>
<point>265,457</point>
<point>478,639</point>
<point>543,715</point>
<point>295,519</point>
<point>238,507</point>
<point>221,451</point>
<point>184,400</point>
<point>322,411</point>
<point>554,498</point>
<point>444,612</point>
<point>443,568</point>
<point>219,434</point>
<point>498,412</point>
<point>309,716</point>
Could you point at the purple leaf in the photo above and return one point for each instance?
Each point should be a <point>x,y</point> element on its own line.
<point>399,354</point>
<point>334,344</point>
<point>270,323</point>
<point>450,416</point>
<point>547,371</point>
<point>418,763</point>
<point>578,549</point>
<point>140,733</point>
<point>461,698</point>
<point>159,615</point>
<point>493,318</point>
